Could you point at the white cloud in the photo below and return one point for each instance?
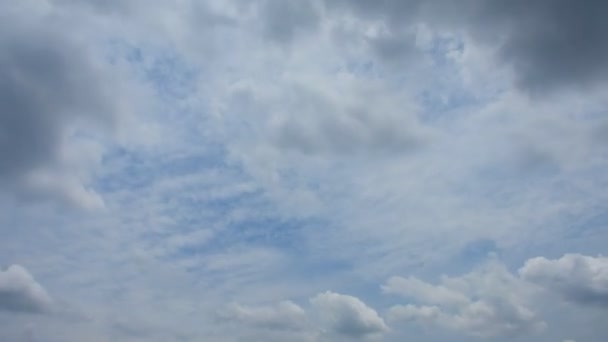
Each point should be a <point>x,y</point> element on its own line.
<point>577,278</point>
<point>488,302</point>
<point>339,116</point>
<point>348,316</point>
<point>19,292</point>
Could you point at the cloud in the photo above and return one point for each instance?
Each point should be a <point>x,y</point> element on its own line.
<point>285,20</point>
<point>488,302</point>
<point>55,92</point>
<point>348,316</point>
<point>285,315</point>
<point>19,292</point>
<point>348,143</point>
<point>343,116</point>
<point>577,278</point>
<point>331,315</point>
<point>549,44</point>
<point>348,130</point>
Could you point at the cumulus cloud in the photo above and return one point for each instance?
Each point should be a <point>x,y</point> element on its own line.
<point>19,292</point>
<point>331,315</point>
<point>348,316</point>
<point>577,278</point>
<point>488,302</point>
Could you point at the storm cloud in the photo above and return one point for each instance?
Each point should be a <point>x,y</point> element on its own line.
<point>550,45</point>
<point>53,88</point>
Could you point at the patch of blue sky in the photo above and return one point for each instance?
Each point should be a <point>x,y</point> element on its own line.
<point>446,93</point>
<point>585,233</point>
<point>479,249</point>
<point>472,254</point>
<point>502,184</point>
<point>579,225</point>
<point>202,204</point>
<point>172,77</point>
<point>161,65</point>
<point>263,227</point>
<point>246,217</point>
<point>172,80</point>
<point>363,68</point>
<point>441,47</point>
<point>597,222</point>
<point>132,171</point>
<point>207,212</point>
<point>135,169</point>
<point>270,231</point>
<point>177,104</point>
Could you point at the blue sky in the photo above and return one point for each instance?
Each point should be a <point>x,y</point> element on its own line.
<point>269,170</point>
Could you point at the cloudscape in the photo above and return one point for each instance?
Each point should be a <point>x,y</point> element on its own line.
<point>303,170</point>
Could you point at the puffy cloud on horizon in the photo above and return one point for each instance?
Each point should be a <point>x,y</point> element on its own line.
<point>489,302</point>
<point>331,316</point>
<point>19,292</point>
<point>577,278</point>
<point>492,302</point>
<point>347,316</point>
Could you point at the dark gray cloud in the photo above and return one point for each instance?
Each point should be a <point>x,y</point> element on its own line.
<point>549,44</point>
<point>104,6</point>
<point>285,19</point>
<point>577,278</point>
<point>19,292</point>
<point>46,85</point>
<point>52,84</point>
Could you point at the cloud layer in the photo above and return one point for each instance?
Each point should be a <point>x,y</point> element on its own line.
<point>258,168</point>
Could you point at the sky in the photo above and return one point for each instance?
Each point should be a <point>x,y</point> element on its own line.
<point>303,170</point>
